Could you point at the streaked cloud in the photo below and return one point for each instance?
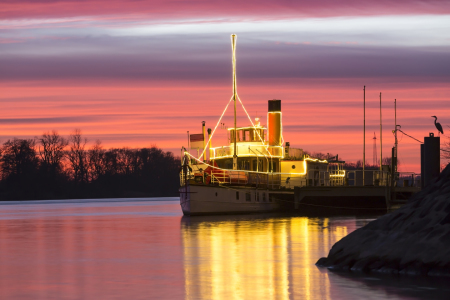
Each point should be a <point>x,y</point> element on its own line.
<point>175,10</point>
<point>137,73</point>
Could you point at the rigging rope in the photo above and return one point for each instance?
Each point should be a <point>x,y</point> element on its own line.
<point>206,146</point>
<point>418,140</point>
<point>262,141</point>
<point>409,136</point>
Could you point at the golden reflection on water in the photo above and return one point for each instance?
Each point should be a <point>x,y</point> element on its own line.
<point>238,258</point>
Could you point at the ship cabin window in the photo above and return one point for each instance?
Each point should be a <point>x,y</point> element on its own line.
<point>243,164</point>
<point>237,195</point>
<point>225,163</point>
<point>255,137</point>
<point>264,197</point>
<point>257,165</point>
<point>259,137</point>
<point>248,197</point>
<point>273,166</point>
<point>247,135</point>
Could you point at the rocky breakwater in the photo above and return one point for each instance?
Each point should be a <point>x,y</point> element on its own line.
<point>414,240</point>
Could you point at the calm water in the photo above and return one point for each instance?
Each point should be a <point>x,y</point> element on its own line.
<point>145,249</point>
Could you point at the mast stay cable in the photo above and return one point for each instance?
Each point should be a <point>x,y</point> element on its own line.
<point>419,140</point>
<point>262,141</point>
<point>218,122</point>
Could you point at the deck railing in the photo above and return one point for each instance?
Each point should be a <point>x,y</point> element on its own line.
<point>408,179</point>
<point>371,178</point>
<point>312,178</point>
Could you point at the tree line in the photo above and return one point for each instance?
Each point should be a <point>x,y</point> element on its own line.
<point>54,167</point>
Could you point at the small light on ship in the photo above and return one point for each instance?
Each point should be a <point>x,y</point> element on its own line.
<point>257,121</point>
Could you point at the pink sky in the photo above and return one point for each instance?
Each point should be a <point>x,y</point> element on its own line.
<point>142,73</point>
<point>166,9</point>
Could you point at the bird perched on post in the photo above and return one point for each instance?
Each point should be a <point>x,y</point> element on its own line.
<point>438,125</point>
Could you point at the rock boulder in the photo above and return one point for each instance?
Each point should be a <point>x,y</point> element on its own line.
<point>414,240</point>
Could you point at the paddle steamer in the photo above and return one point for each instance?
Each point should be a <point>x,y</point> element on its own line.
<point>255,172</point>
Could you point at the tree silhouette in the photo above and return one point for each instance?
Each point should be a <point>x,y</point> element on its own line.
<point>51,151</point>
<point>77,156</point>
<point>18,157</point>
<point>96,161</point>
<point>19,169</point>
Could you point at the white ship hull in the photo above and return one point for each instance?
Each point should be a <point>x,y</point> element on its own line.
<point>207,200</point>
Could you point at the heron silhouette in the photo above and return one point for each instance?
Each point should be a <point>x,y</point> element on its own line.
<point>438,125</point>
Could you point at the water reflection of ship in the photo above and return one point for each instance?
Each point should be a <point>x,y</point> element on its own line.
<point>256,257</point>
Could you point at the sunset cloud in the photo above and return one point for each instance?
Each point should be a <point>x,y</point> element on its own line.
<point>138,73</point>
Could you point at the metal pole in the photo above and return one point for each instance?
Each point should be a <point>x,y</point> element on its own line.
<point>381,139</point>
<point>364,148</point>
<point>210,151</point>
<point>396,141</point>
<point>233,45</point>
<point>203,133</point>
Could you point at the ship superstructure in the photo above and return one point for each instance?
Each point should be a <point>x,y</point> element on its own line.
<point>257,170</point>
<point>245,174</point>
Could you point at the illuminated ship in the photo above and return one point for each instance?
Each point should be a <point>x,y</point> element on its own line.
<point>255,172</point>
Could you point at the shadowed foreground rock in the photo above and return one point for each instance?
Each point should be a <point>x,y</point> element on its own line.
<point>414,239</point>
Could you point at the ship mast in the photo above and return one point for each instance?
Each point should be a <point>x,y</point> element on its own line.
<point>233,46</point>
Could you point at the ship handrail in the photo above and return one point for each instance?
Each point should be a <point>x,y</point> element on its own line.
<point>275,180</point>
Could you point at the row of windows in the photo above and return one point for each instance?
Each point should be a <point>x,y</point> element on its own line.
<point>248,135</point>
<point>248,164</point>
<point>258,197</point>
